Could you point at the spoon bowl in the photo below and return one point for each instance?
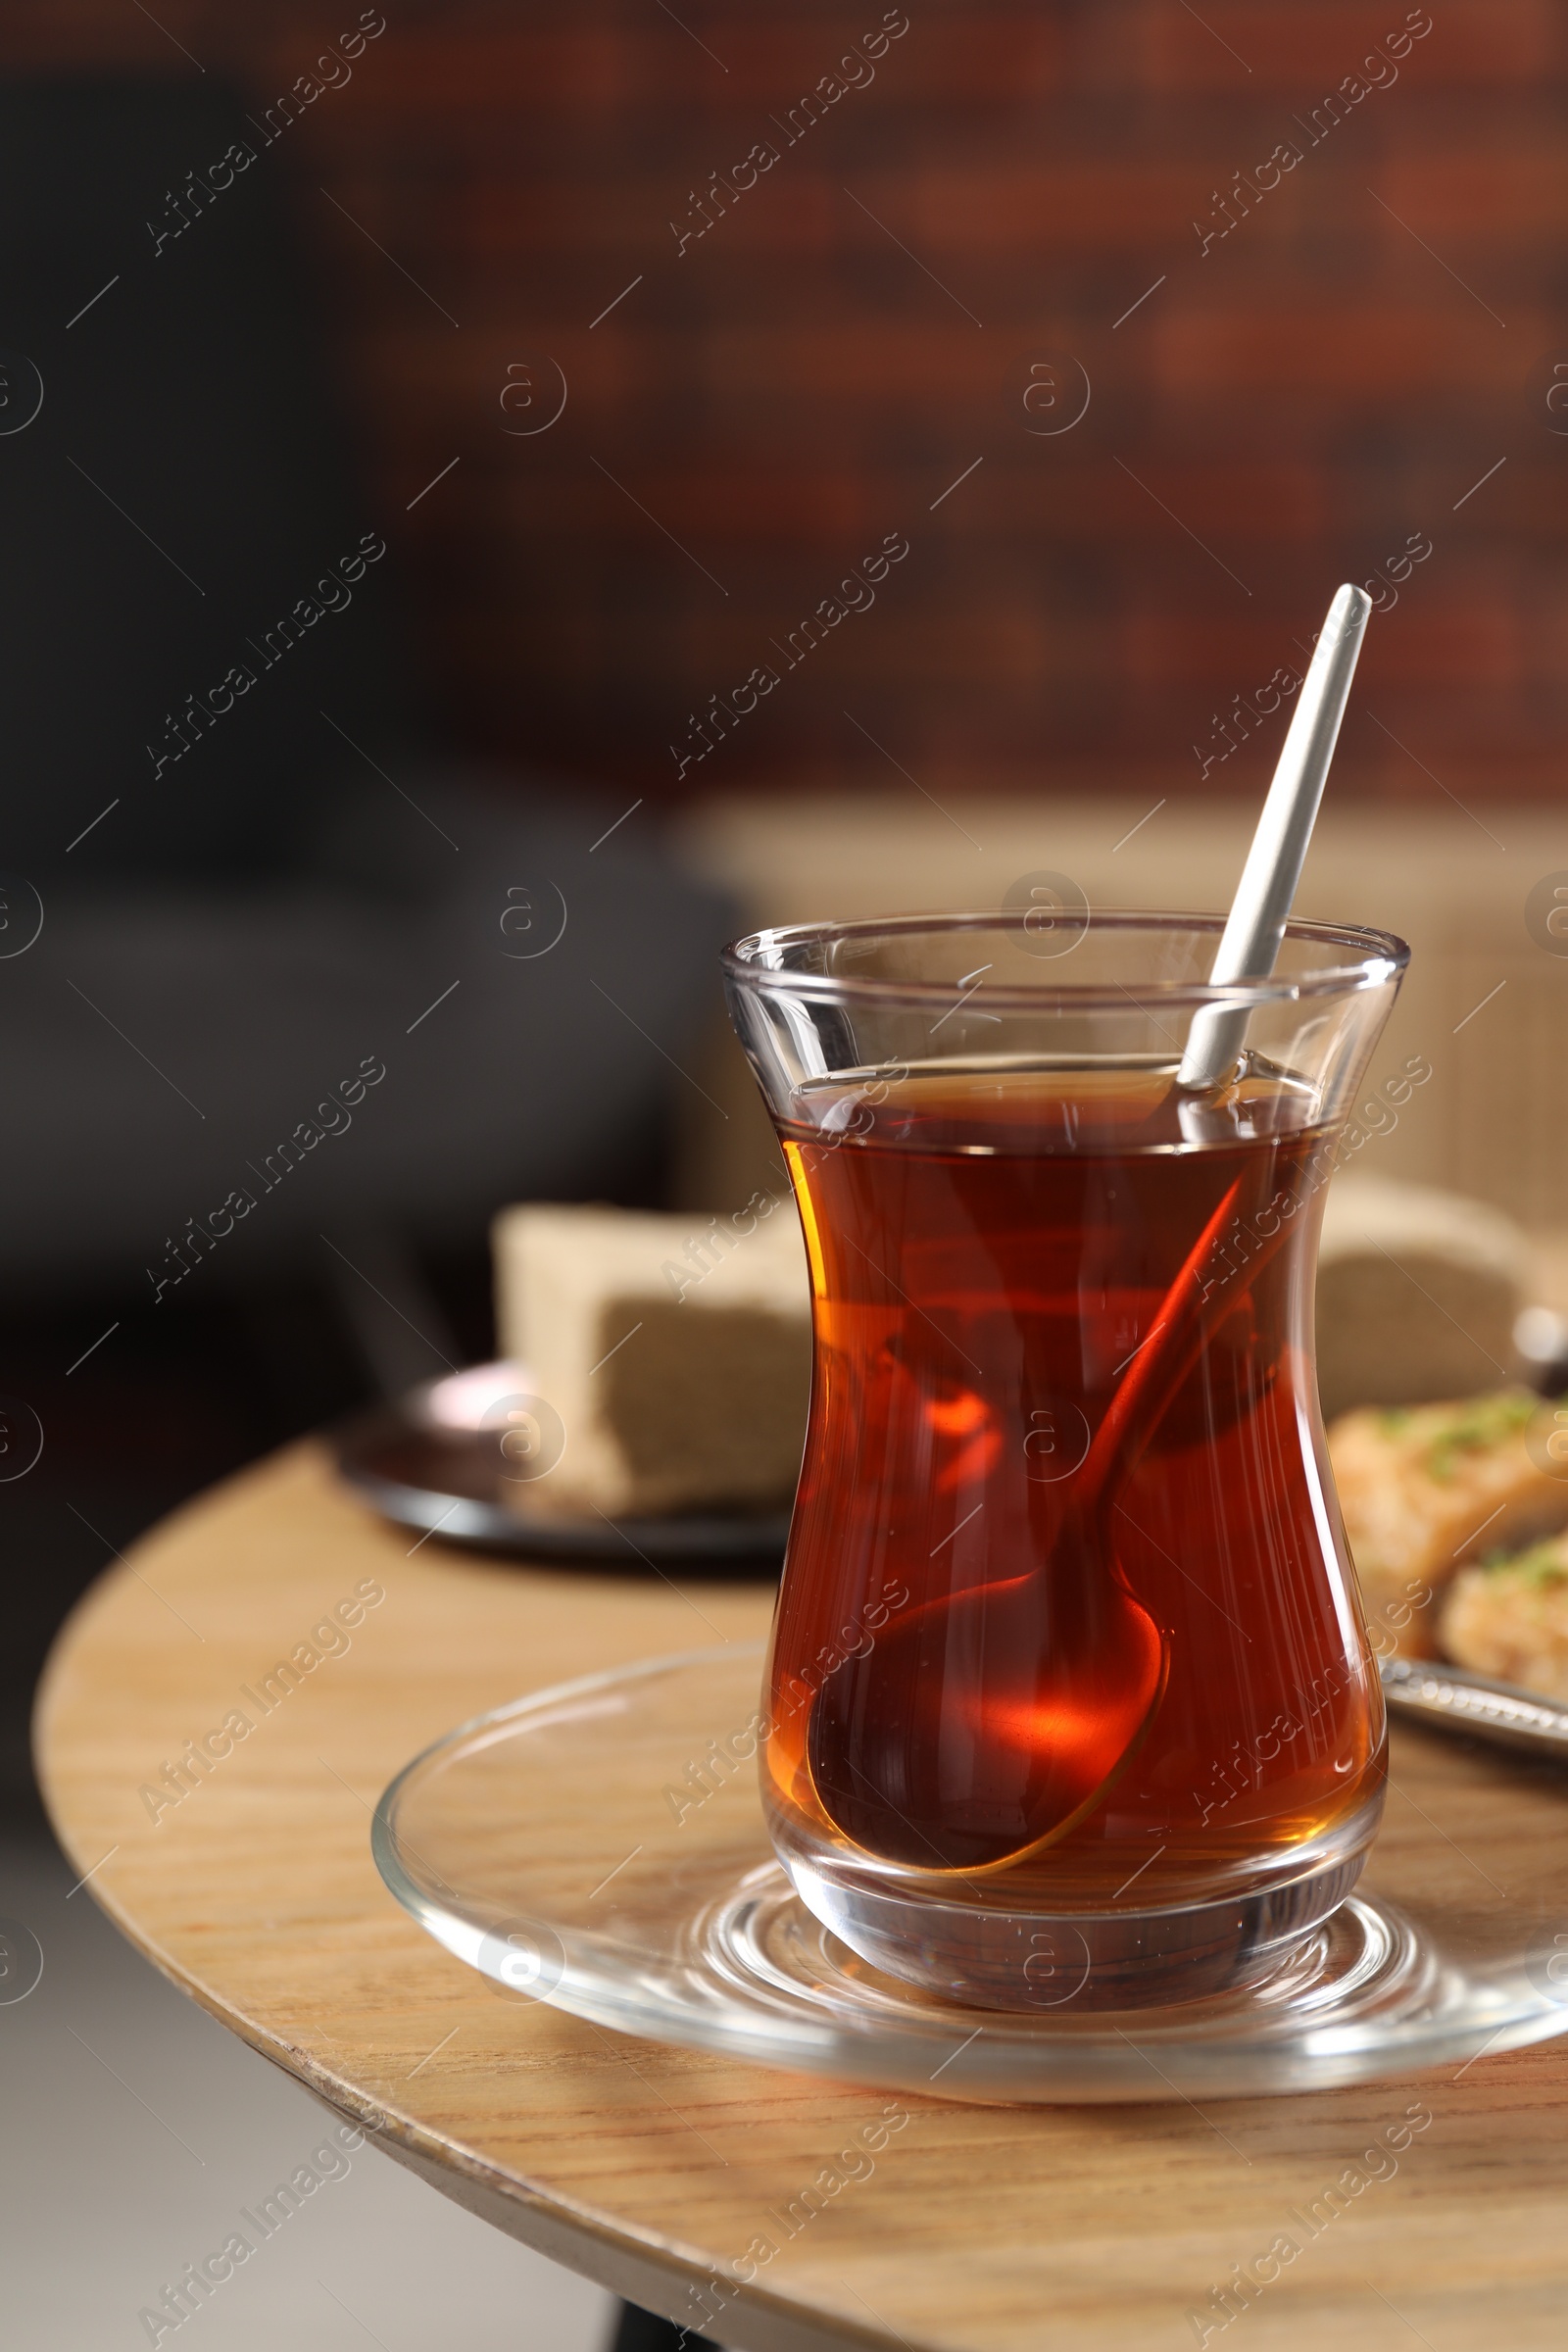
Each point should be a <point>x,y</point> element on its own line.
<point>983,1728</point>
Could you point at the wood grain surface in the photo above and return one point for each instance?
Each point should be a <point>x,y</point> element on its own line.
<point>653,2169</point>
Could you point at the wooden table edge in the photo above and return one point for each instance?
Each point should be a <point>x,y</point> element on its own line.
<point>651,2271</point>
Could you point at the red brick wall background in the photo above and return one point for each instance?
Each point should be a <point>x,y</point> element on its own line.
<point>919,288</point>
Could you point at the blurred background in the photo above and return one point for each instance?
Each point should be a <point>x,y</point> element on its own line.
<point>833,345</point>
<point>498,498</point>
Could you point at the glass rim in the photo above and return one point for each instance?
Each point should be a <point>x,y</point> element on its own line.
<point>1374,958</point>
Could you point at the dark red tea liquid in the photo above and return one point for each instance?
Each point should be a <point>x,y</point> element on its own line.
<point>1185,1674</point>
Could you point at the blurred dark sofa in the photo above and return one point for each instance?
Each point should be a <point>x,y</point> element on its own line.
<point>260,876</point>
<point>255,866</point>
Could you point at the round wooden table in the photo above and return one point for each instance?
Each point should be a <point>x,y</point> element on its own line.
<point>653,2169</point>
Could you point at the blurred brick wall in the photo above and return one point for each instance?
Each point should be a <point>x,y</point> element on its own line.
<point>1294,402</point>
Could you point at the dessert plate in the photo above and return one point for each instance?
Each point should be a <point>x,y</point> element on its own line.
<point>1451,1699</point>
<point>437,1462</point>
<point>601,1847</point>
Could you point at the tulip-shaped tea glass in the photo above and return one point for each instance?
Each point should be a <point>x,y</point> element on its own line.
<point>1069,1702</point>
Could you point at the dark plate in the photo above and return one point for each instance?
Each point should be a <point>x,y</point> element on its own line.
<point>432,1463</point>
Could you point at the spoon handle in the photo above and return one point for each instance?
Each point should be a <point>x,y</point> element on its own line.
<point>1261,907</point>
<point>1120,1439</point>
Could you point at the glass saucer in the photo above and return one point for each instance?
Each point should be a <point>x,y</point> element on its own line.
<point>600,1845</point>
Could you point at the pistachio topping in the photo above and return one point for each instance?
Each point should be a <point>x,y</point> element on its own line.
<point>1478,1424</point>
